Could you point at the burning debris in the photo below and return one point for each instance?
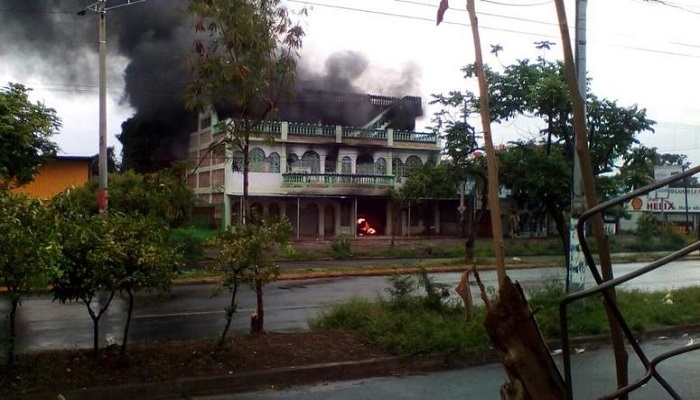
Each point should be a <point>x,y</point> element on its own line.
<point>364,227</point>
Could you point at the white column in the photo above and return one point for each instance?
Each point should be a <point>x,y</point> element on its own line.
<point>284,130</point>
<point>390,137</point>
<point>227,212</point>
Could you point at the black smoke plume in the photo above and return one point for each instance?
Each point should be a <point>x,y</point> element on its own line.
<point>48,39</point>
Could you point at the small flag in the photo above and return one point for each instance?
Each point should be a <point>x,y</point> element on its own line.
<point>441,10</point>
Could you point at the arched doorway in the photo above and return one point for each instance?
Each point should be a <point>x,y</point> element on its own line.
<point>329,220</point>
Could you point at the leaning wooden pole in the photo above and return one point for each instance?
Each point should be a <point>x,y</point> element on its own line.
<point>494,201</point>
<point>588,181</point>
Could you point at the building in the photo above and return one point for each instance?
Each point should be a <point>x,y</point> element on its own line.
<point>678,205</point>
<point>58,175</point>
<point>330,167</point>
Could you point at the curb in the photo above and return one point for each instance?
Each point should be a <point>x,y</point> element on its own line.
<point>273,378</point>
<point>277,378</point>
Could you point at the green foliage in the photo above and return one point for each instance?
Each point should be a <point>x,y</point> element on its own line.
<point>25,129</point>
<point>655,235</point>
<point>341,247</point>
<point>408,329</point>
<point>246,258</point>
<point>432,299</point>
<point>191,242</point>
<point>30,251</point>
<point>412,327</point>
<point>401,289</point>
<point>164,195</point>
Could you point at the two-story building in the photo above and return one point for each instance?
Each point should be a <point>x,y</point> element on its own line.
<point>327,178</point>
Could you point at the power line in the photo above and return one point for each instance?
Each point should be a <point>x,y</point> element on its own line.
<point>518,4</point>
<point>404,16</point>
<point>672,5</point>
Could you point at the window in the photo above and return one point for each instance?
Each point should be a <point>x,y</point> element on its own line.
<point>397,166</point>
<point>205,122</point>
<point>346,165</point>
<point>412,163</point>
<point>257,160</point>
<point>312,161</point>
<point>274,161</point>
<point>380,166</point>
<point>292,161</point>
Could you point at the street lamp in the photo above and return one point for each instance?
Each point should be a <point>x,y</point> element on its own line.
<point>100,7</point>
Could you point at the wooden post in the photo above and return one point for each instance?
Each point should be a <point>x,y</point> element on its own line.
<point>588,180</point>
<point>492,162</point>
<point>532,374</point>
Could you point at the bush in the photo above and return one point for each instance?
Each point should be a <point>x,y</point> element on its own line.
<point>191,241</point>
<point>341,247</point>
<point>655,235</point>
<point>401,289</point>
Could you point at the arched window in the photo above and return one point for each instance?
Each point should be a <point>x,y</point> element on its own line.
<point>274,161</point>
<point>380,166</point>
<point>397,167</point>
<point>274,211</point>
<point>257,160</point>
<point>237,161</point>
<point>346,165</point>
<point>292,161</point>
<point>412,163</point>
<point>312,161</point>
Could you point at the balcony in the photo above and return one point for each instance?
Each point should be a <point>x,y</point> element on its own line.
<point>328,180</point>
<point>283,129</point>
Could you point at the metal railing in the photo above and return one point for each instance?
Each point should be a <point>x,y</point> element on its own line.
<point>603,287</point>
<point>337,179</point>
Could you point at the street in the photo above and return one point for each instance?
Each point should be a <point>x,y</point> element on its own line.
<point>191,312</point>
<point>593,376</point>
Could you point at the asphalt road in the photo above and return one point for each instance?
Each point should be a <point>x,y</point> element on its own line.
<point>191,311</point>
<point>593,376</point>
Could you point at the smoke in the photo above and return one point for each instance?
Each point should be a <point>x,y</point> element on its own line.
<point>338,94</point>
<point>47,39</point>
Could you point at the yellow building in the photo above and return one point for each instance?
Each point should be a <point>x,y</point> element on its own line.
<point>57,176</point>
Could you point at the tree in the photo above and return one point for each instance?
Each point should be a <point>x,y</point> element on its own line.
<point>246,258</point>
<point>538,89</point>
<point>85,275</point>
<point>25,129</point>
<point>29,253</point>
<point>138,251</point>
<point>246,53</point>
<point>164,195</point>
<point>463,152</point>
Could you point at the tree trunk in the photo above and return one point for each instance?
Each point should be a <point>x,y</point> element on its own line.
<point>129,312</point>
<point>246,172</point>
<point>532,374</point>
<point>13,332</point>
<point>257,322</point>
<point>96,321</point>
<point>230,310</point>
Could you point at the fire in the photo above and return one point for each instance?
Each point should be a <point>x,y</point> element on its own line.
<point>364,227</point>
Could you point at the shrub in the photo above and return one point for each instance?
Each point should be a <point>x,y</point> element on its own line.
<point>341,247</point>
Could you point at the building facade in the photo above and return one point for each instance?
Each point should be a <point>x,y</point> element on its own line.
<point>58,175</point>
<point>328,180</point>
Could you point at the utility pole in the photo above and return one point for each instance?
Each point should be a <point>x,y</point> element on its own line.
<point>576,268</point>
<point>100,7</point>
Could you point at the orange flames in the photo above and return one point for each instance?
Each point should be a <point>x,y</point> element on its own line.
<point>364,227</point>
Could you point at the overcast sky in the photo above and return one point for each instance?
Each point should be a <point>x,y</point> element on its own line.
<point>639,52</point>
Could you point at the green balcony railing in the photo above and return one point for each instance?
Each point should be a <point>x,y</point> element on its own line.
<point>303,179</point>
<point>275,128</point>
